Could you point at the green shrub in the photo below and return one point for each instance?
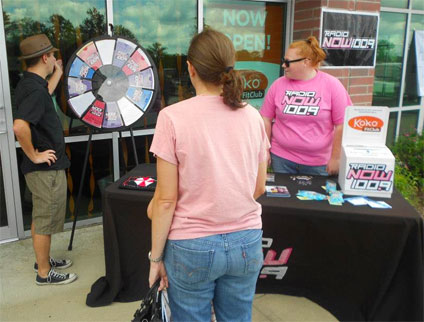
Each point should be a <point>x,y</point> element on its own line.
<point>409,151</point>
<point>406,184</point>
<point>409,168</point>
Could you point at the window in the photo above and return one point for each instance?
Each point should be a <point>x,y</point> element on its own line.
<point>403,4</point>
<point>418,5</point>
<point>395,83</point>
<point>257,32</point>
<point>388,69</point>
<point>164,28</point>
<point>409,122</point>
<point>410,96</point>
<point>391,130</point>
<point>68,24</point>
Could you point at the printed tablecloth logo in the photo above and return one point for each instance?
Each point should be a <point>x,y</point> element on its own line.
<point>272,265</point>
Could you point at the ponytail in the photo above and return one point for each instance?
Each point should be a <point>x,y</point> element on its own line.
<point>310,48</point>
<point>232,88</point>
<point>319,54</point>
<point>213,56</point>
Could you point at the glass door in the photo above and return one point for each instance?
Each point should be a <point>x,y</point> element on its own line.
<point>258,28</point>
<point>68,24</point>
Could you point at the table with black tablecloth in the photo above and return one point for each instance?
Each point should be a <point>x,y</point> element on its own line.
<point>357,262</point>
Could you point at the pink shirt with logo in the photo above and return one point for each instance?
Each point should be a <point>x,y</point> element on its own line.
<point>305,114</point>
<point>217,151</point>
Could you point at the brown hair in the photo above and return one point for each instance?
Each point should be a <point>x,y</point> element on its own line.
<point>213,56</point>
<point>30,62</point>
<point>310,48</point>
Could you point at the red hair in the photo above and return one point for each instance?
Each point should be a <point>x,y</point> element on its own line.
<point>310,49</point>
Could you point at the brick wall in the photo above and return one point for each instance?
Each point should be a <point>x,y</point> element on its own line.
<point>307,20</point>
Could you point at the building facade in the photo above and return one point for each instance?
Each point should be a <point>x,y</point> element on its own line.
<point>260,31</point>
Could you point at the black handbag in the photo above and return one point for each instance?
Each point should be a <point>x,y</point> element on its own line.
<point>150,308</point>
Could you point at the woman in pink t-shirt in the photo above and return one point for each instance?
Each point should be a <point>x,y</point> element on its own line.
<point>307,107</point>
<point>211,165</point>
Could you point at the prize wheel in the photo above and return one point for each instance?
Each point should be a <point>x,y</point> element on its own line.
<point>110,82</point>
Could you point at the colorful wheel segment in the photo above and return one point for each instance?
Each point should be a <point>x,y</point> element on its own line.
<point>111,82</point>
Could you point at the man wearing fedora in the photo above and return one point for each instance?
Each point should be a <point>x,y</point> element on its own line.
<point>39,132</point>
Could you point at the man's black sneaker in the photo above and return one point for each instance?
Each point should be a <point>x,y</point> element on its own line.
<point>56,263</point>
<point>55,278</point>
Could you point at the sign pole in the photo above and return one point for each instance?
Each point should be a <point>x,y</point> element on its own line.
<point>84,168</point>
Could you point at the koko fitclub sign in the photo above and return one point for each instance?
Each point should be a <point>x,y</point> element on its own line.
<point>349,38</point>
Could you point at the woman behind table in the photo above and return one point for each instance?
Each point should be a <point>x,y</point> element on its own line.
<point>211,165</point>
<point>308,108</point>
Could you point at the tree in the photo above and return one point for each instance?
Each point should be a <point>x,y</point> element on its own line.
<point>120,30</point>
<point>94,25</point>
<point>384,49</point>
<point>157,51</point>
<point>6,21</point>
<point>61,29</point>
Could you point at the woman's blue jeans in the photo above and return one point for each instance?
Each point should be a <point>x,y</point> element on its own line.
<point>281,165</point>
<point>220,268</point>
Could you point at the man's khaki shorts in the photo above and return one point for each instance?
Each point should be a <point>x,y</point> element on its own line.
<point>49,191</point>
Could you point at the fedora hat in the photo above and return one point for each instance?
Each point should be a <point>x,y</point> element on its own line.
<point>35,46</point>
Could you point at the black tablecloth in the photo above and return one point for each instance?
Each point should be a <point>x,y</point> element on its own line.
<point>357,262</point>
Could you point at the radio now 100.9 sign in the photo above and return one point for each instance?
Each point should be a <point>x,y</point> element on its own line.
<point>349,39</point>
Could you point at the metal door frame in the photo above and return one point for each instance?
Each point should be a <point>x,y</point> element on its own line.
<point>14,230</point>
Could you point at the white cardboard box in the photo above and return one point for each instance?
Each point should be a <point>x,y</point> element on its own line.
<point>367,166</point>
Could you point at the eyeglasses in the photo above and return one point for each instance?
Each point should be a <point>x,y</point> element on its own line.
<point>288,62</point>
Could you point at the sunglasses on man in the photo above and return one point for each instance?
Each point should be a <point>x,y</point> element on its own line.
<point>288,62</point>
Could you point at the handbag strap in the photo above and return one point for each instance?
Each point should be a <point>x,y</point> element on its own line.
<point>150,299</point>
<point>153,289</point>
<point>156,305</point>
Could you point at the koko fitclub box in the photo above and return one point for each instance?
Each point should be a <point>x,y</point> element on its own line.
<point>367,166</point>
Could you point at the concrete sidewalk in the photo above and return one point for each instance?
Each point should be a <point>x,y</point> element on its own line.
<point>22,300</point>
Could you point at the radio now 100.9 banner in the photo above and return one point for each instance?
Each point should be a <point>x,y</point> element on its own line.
<point>349,39</point>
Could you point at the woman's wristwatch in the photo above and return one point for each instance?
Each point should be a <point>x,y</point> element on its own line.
<point>154,260</point>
